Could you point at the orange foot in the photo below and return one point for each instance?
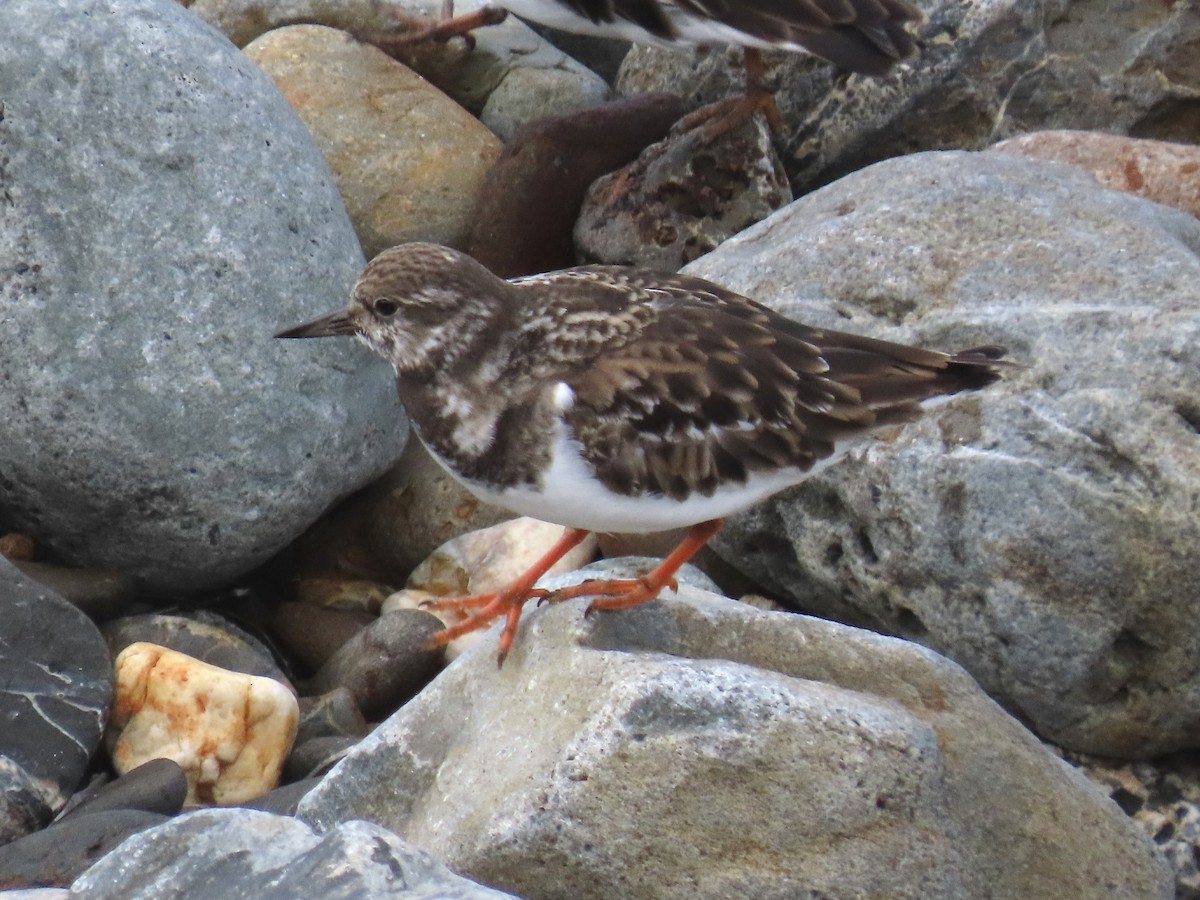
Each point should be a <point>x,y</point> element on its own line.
<point>622,593</point>
<point>507,602</point>
<point>417,30</point>
<point>722,116</point>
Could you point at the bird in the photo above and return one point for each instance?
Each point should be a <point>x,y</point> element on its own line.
<point>863,36</point>
<point>616,399</point>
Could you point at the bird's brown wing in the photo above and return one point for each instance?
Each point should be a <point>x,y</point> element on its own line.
<point>700,386</point>
<point>866,36</point>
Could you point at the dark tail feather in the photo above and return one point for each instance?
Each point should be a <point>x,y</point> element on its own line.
<point>970,370</point>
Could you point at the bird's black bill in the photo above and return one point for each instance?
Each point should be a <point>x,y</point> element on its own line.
<point>336,323</point>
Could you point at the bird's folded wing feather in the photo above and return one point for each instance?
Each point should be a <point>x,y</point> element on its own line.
<point>690,386</point>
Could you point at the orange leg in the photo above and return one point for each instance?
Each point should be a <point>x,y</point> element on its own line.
<point>507,602</point>
<point>716,119</point>
<point>621,593</point>
<point>420,29</point>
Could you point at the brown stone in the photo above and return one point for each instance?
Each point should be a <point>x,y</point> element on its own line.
<point>408,160</point>
<point>533,193</point>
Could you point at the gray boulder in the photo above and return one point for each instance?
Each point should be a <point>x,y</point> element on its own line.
<point>698,747</point>
<point>246,853</point>
<point>1042,532</point>
<point>164,213</point>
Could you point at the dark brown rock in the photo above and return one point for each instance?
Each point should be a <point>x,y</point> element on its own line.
<point>531,196</point>
<point>204,636</point>
<point>386,664</point>
<point>158,786</point>
<point>332,714</point>
<point>311,633</point>
<point>101,593</point>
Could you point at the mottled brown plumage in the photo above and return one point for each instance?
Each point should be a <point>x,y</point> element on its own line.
<point>867,36</point>
<point>609,398</point>
<point>864,36</point>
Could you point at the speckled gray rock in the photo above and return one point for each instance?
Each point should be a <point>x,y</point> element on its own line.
<point>165,213</point>
<point>698,747</point>
<point>984,70</point>
<point>681,198</point>
<point>245,853</point>
<point>55,689</point>
<point>1042,532</point>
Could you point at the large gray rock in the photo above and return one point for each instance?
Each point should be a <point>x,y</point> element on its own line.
<point>246,853</point>
<point>699,747</point>
<point>1042,532</point>
<point>164,212</point>
<point>984,70</point>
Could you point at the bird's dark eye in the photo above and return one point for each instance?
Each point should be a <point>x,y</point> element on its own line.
<point>385,307</point>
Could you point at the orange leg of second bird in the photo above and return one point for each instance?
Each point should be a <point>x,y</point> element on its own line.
<point>507,602</point>
<point>419,29</point>
<point>622,593</point>
<point>715,119</point>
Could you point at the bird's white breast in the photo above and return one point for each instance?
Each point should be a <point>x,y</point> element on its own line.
<point>571,495</point>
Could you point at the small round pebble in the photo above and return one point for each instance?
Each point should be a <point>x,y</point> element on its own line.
<point>386,664</point>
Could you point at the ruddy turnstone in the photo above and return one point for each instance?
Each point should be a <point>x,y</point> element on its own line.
<point>864,36</point>
<point>613,399</point>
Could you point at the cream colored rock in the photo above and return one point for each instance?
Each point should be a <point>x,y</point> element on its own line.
<point>482,561</point>
<point>230,732</point>
<point>409,161</point>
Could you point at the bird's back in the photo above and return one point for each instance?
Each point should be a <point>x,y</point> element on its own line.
<point>678,386</point>
<point>866,36</point>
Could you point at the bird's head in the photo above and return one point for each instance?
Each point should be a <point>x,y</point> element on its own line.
<point>419,306</point>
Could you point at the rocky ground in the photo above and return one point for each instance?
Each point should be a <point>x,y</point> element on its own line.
<point>961,663</point>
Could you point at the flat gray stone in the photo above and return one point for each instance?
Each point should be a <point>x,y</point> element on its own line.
<point>698,747</point>
<point>1041,532</point>
<point>221,853</point>
<point>55,688</point>
<point>164,214</point>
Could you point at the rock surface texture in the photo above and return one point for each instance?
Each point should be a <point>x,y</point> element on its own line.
<point>164,214</point>
<point>1041,532</point>
<point>699,747</point>
<point>244,853</point>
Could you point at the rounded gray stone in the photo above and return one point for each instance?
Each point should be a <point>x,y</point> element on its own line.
<point>246,853</point>
<point>697,747</point>
<point>164,213</point>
